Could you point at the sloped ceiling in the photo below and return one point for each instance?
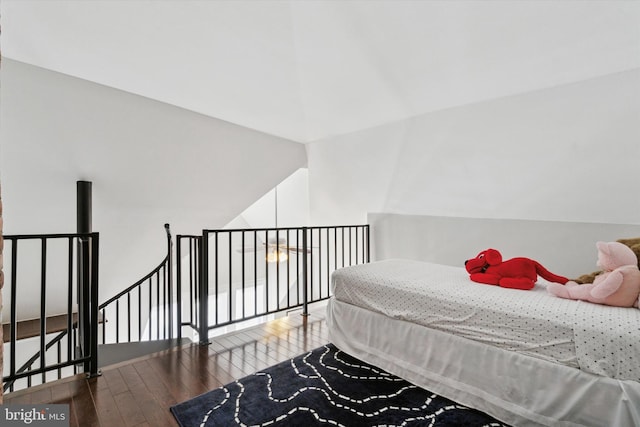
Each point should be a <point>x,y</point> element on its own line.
<point>306,70</point>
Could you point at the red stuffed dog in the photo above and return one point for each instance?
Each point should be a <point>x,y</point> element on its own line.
<point>517,273</point>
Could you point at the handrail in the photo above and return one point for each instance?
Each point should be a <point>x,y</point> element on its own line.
<point>135,285</point>
<point>314,227</point>
<point>45,236</point>
<point>163,301</point>
<point>144,279</point>
<point>27,365</point>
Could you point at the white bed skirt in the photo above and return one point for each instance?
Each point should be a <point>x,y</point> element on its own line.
<point>517,389</point>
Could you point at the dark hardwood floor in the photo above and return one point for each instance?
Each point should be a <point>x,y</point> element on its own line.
<point>139,392</point>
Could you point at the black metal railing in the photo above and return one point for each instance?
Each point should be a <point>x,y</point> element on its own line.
<point>188,252</point>
<point>66,269</point>
<point>28,365</point>
<point>244,273</point>
<point>144,310</point>
<point>250,273</point>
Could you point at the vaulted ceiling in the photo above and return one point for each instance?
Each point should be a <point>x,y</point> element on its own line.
<point>306,70</point>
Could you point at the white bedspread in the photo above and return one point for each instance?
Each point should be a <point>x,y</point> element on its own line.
<point>598,339</point>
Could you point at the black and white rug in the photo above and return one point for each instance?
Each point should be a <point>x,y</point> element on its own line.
<point>324,387</point>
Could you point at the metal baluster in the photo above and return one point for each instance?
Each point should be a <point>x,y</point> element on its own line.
<point>335,248</point>
<point>13,322</point>
<point>255,272</point>
<point>230,294</point>
<point>69,294</point>
<point>328,266</point>
<point>319,263</point>
<point>139,313</point>
<point>277,269</point>
<point>117,321</point>
<point>129,317</point>
<point>104,326</point>
<point>164,302</point>
<point>157,305</point>
<point>350,233</point>
<point>178,286</point>
<point>243,248</point>
<point>311,281</point>
<point>304,254</point>
<point>170,283</point>
<point>305,307</point>
<point>59,348</point>
<point>266,266</point>
<point>288,272</point>
<point>356,245</point>
<point>43,302</point>
<point>150,305</point>
<point>342,241</point>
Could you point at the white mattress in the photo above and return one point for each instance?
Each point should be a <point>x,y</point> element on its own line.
<point>597,339</point>
<point>519,390</point>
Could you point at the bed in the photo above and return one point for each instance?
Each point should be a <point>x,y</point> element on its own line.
<point>524,357</point>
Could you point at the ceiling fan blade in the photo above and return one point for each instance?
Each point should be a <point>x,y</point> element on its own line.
<point>249,250</point>
<point>299,251</point>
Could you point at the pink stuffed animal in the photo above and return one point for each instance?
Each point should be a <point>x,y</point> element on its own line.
<point>619,285</point>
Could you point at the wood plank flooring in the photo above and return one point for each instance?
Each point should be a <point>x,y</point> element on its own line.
<point>138,393</point>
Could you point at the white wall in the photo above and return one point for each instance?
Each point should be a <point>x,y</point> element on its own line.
<point>567,153</point>
<point>565,248</point>
<point>149,162</point>
<point>292,201</point>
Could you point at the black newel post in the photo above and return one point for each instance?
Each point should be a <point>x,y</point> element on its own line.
<point>169,276</point>
<point>305,282</point>
<point>203,318</point>
<point>83,210</point>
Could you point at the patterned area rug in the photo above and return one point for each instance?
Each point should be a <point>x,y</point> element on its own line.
<point>324,387</point>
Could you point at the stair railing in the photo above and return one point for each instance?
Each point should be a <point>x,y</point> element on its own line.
<point>150,300</point>
<point>27,366</point>
<point>246,273</point>
<point>236,275</point>
<point>45,272</point>
<point>160,280</point>
<point>188,249</point>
